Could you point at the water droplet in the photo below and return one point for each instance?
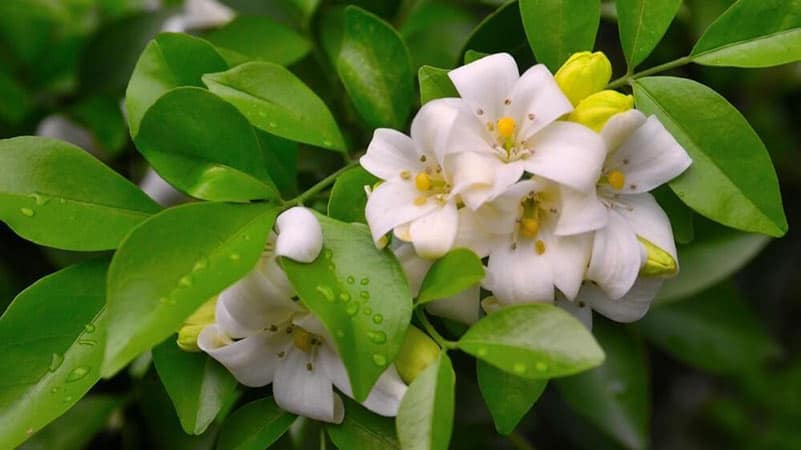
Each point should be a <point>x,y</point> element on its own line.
<point>62,201</point>
<point>379,360</point>
<point>200,265</point>
<point>367,311</point>
<point>246,237</point>
<point>89,328</point>
<point>185,281</point>
<point>327,253</point>
<point>344,296</point>
<point>352,309</point>
<point>378,318</point>
<point>87,342</point>
<point>234,256</point>
<point>327,292</point>
<point>28,212</point>
<point>378,337</point>
<point>364,281</point>
<point>332,267</point>
<point>482,351</point>
<point>327,143</point>
<point>351,280</point>
<point>365,295</point>
<point>53,390</point>
<point>541,366</point>
<point>77,373</point>
<point>273,124</point>
<point>55,362</point>
<point>519,368</point>
<point>67,399</point>
<point>39,199</point>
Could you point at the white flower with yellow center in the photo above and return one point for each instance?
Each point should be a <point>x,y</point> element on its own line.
<point>199,14</point>
<point>262,336</point>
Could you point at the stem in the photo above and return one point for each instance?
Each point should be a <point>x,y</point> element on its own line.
<point>322,184</point>
<point>519,441</point>
<point>429,327</point>
<point>656,69</point>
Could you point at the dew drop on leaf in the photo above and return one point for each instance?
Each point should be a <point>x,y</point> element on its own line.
<point>351,279</point>
<point>344,296</point>
<point>185,281</point>
<point>87,342</point>
<point>352,309</point>
<point>77,373</point>
<point>234,256</point>
<point>541,366</point>
<point>378,337</point>
<point>200,265</point>
<point>27,212</point>
<point>367,311</point>
<point>519,368</point>
<point>365,295</point>
<point>327,292</point>
<point>380,360</point>
<point>89,328</point>
<point>378,318</point>
<point>55,362</point>
<point>364,281</point>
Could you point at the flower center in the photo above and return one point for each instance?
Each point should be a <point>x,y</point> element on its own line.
<point>533,211</point>
<point>303,340</point>
<point>616,179</point>
<point>506,146</point>
<point>430,183</point>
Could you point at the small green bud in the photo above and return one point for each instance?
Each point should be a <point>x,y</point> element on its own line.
<point>660,263</point>
<point>194,324</point>
<point>417,353</point>
<point>584,74</point>
<point>595,110</point>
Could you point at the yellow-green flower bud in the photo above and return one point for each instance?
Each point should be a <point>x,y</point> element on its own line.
<point>194,324</point>
<point>660,263</point>
<point>417,353</point>
<point>584,74</point>
<point>595,110</point>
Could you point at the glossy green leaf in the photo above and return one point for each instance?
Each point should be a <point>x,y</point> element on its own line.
<point>363,430</point>
<point>732,180</point>
<point>501,31</point>
<point>281,158</point>
<point>434,84</point>
<point>167,267</point>
<point>169,61</point>
<point>58,195</point>
<point>362,297</point>
<point>254,426</point>
<point>753,33</point>
<point>642,23</point>
<point>533,341</point>
<point>716,331</point>
<point>203,146</point>
<point>435,32</point>
<point>558,28</point>
<point>425,416</point>
<point>51,348</point>
<point>614,396</point>
<point>198,386</point>
<point>508,397</point>
<point>276,101</point>
<point>249,38</point>
<point>458,270</point>
<point>77,427</point>
<point>348,197</point>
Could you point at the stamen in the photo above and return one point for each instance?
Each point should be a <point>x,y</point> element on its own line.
<point>405,174</point>
<point>531,116</point>
<point>529,227</point>
<point>506,127</point>
<point>422,182</point>
<point>420,201</point>
<point>539,247</point>
<point>616,179</point>
<point>303,340</point>
<point>309,367</point>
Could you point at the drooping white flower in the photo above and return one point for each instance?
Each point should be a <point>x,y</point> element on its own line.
<point>58,126</point>
<point>262,336</point>
<point>507,125</point>
<point>199,14</point>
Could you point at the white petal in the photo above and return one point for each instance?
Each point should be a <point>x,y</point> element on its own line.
<point>414,266</point>
<point>537,93</point>
<point>432,125</point>
<point>568,256</point>
<point>507,175</point>
<point>648,220</point>
<point>568,153</point>
<point>619,127</point>
<point>628,308</point>
<point>463,307</point>
<point>471,170</point>
<point>487,82</point>
<point>252,361</point>
<point>299,235</point>
<point>308,393</point>
<point>579,309</point>
<point>616,257</point>
<point>206,14</point>
<point>159,190</point>
<point>649,158</point>
<point>389,153</point>
<point>433,234</point>
<point>580,212</point>
<point>519,275</point>
<point>472,235</point>
<point>392,204</point>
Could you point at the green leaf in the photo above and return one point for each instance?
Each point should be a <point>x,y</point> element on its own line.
<point>374,65</point>
<point>434,83</point>
<point>103,116</point>
<point>716,330</point>
<point>276,101</point>
<point>261,38</point>
<point>732,180</point>
<point>17,101</point>
<point>362,297</point>
<point>348,197</point>
<point>169,61</point>
<point>753,33</point>
<point>198,386</point>
<point>458,270</point>
<point>167,267</point>
<point>425,416</point>
<point>614,397</point>
<point>76,428</point>
<point>254,426</point>
<point>508,397</point>
<point>363,430</point>
<point>435,32</point>
<point>55,194</point>
<point>642,23</point>
<point>558,28</point>
<point>51,348</point>
<point>203,146</point>
<point>533,341</point>
<point>281,158</point>
<point>501,31</point>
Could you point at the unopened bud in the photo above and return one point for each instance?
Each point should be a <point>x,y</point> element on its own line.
<point>660,263</point>
<point>583,74</point>
<point>595,110</point>
<point>194,324</point>
<point>417,353</point>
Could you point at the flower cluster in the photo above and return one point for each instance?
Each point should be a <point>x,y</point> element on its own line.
<point>544,176</point>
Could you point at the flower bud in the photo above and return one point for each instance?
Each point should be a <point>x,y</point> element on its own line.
<point>660,263</point>
<point>595,110</point>
<point>417,353</point>
<point>583,74</point>
<point>194,324</point>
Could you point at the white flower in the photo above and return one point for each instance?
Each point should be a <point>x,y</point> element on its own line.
<point>60,127</point>
<point>629,308</point>
<point>159,190</point>
<point>262,336</point>
<point>507,125</point>
<point>199,14</point>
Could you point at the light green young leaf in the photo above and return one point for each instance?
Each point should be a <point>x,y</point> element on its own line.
<point>198,386</point>
<point>254,426</point>
<point>249,38</point>
<point>753,33</point>
<point>169,61</point>
<point>434,84</point>
<point>558,28</point>
<point>348,197</point>
<point>76,428</point>
<point>276,101</point>
<point>508,397</point>
<point>458,270</point>
<point>363,430</point>
<point>533,341</point>
<point>731,180</point>
<point>642,23</point>
<point>425,416</point>
<point>203,146</point>
<point>51,348</point>
<point>362,297</point>
<point>167,267</point>
<point>55,194</point>
<point>501,31</point>
<point>614,397</point>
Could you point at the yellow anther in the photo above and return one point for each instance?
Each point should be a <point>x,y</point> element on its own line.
<point>529,227</point>
<point>506,127</point>
<point>422,182</point>
<point>303,339</point>
<point>616,179</point>
<point>659,263</point>
<point>420,201</point>
<point>539,247</point>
